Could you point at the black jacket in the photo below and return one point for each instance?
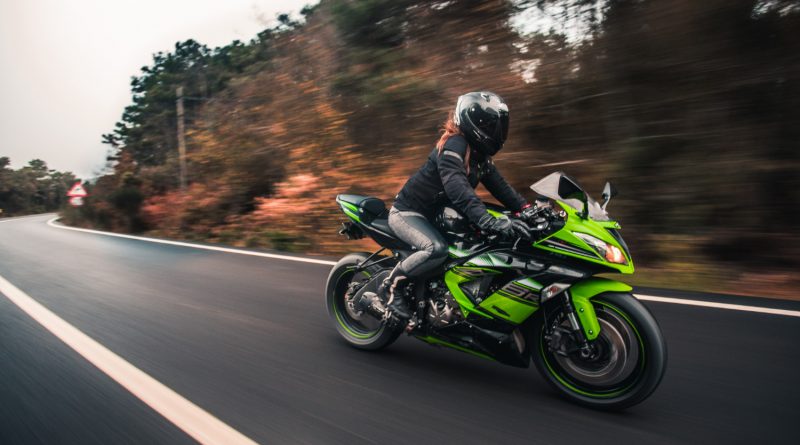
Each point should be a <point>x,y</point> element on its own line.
<point>443,180</point>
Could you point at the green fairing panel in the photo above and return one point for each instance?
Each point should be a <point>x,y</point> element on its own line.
<point>530,283</point>
<point>508,307</point>
<point>349,210</point>
<point>495,213</point>
<point>591,227</point>
<point>501,304</point>
<point>453,279</point>
<point>488,260</point>
<point>456,252</point>
<point>581,294</point>
<point>436,341</point>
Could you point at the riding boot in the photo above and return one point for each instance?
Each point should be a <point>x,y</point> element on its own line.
<point>392,290</point>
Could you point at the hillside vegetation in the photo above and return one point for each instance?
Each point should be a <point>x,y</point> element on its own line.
<point>34,188</point>
<point>690,107</point>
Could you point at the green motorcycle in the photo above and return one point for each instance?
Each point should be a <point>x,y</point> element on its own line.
<point>514,300</point>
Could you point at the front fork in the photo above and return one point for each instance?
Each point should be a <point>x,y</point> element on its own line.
<point>576,306</point>
<point>570,339</point>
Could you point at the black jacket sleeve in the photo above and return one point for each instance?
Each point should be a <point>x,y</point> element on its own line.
<point>499,188</point>
<point>453,174</point>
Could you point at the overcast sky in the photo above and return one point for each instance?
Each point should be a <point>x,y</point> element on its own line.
<point>65,65</point>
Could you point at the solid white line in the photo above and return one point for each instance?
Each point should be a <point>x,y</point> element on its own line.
<point>196,422</point>
<point>52,223</point>
<point>16,218</point>
<point>735,307</point>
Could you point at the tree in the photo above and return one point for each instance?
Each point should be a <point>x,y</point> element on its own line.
<point>33,188</point>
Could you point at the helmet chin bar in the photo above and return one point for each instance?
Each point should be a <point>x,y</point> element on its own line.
<point>484,145</point>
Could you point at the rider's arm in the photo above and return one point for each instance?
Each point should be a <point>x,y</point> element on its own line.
<point>453,174</point>
<point>499,188</point>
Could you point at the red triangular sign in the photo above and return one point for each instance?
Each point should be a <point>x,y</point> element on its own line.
<point>77,190</point>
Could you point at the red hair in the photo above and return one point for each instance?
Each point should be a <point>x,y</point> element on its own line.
<point>449,129</point>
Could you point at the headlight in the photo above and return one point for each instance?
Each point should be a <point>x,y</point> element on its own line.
<point>610,252</point>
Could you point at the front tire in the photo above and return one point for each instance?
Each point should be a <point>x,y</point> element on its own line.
<point>630,361</point>
<point>360,330</point>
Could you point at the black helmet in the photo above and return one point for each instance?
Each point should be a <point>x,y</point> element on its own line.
<point>483,119</point>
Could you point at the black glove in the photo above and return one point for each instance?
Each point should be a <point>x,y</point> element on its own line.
<point>521,229</point>
<point>501,225</point>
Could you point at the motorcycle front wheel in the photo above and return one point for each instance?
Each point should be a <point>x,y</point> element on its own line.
<point>628,361</point>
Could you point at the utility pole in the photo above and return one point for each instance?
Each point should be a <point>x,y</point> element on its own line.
<point>181,139</point>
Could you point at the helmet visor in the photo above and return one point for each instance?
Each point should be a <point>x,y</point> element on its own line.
<point>494,124</point>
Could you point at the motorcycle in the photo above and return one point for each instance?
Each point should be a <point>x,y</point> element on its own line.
<point>513,301</point>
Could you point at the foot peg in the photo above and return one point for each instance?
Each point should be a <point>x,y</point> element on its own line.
<point>371,303</point>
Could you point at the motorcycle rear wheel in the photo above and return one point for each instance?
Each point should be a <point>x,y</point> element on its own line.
<point>360,330</point>
<point>630,360</point>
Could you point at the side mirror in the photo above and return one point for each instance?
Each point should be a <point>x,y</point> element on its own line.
<point>569,189</point>
<point>609,191</point>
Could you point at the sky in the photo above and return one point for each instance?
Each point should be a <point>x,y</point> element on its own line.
<point>65,66</point>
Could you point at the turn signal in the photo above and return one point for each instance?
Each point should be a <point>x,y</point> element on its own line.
<point>553,290</point>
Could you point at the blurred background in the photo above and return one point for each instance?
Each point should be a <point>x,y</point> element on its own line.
<point>691,108</point>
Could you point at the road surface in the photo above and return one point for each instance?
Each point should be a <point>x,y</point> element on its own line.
<point>248,340</point>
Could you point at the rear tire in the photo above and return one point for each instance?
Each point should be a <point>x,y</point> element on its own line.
<point>631,363</point>
<point>361,333</point>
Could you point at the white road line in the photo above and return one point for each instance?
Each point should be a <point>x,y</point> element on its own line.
<point>16,218</point>
<point>52,223</point>
<point>735,307</point>
<point>196,422</point>
<point>711,304</point>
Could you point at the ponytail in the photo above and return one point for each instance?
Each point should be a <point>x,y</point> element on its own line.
<point>449,129</point>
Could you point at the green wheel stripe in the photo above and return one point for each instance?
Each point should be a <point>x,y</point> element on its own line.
<point>350,331</point>
<point>344,325</point>
<point>588,393</point>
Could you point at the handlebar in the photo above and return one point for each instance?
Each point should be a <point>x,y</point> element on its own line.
<point>538,219</point>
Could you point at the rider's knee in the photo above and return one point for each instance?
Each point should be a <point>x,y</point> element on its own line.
<point>438,250</point>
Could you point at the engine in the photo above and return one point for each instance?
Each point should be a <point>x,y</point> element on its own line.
<point>442,308</point>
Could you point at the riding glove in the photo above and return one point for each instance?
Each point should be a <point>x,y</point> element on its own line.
<point>497,225</point>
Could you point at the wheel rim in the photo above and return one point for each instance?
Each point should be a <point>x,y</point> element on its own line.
<point>355,323</point>
<point>613,369</point>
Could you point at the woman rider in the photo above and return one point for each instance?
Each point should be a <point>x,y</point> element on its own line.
<point>462,158</point>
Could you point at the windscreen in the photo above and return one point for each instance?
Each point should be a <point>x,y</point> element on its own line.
<point>548,186</point>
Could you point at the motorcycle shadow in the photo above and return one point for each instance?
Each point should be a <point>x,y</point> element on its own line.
<point>411,365</point>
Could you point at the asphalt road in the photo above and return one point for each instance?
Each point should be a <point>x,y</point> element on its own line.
<point>248,339</point>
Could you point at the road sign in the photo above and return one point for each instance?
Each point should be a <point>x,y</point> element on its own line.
<point>77,191</point>
<point>76,201</point>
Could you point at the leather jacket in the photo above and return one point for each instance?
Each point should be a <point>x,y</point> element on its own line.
<point>443,180</point>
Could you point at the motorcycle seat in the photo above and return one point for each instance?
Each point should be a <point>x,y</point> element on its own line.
<point>381,232</point>
<point>374,217</point>
<point>369,207</point>
<point>382,224</point>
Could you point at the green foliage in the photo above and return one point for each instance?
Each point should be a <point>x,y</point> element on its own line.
<point>126,199</point>
<point>690,108</point>
<point>147,128</point>
<point>33,188</point>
